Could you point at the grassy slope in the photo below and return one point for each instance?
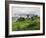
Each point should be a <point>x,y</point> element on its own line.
<point>27,24</point>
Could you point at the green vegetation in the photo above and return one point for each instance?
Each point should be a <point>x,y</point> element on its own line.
<point>21,24</point>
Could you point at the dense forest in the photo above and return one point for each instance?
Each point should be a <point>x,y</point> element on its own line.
<point>22,23</point>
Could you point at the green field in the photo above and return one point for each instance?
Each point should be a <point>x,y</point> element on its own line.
<point>22,24</point>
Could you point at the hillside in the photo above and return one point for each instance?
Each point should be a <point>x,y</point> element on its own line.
<point>21,24</point>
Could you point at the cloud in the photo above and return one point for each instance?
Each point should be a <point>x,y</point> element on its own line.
<point>25,10</point>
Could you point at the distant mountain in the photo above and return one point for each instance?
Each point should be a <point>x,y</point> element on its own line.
<point>24,15</point>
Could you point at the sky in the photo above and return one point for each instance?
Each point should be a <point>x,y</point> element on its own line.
<point>25,10</point>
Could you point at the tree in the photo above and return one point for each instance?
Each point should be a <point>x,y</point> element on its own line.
<point>27,15</point>
<point>21,19</point>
